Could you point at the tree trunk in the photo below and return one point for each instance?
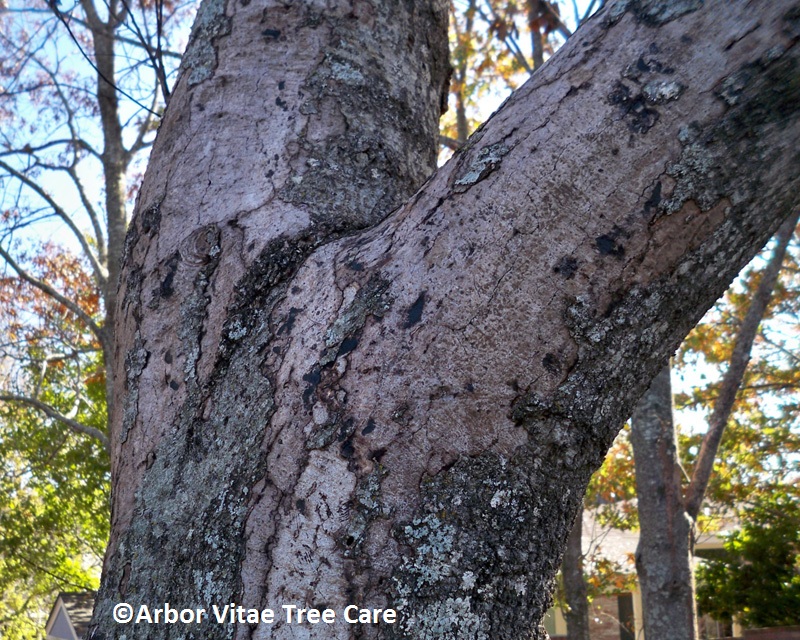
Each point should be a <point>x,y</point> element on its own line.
<point>407,416</point>
<point>664,555</point>
<point>115,160</point>
<point>577,615</point>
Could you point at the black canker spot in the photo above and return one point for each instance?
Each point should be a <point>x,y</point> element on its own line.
<point>608,246</point>
<point>415,311</point>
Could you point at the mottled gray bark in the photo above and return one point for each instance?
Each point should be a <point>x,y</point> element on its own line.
<point>577,615</point>
<point>664,554</point>
<point>407,415</point>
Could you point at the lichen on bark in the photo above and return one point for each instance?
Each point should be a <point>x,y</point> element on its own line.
<point>200,58</point>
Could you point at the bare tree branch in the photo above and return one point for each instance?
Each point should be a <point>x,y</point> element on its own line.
<point>450,143</point>
<point>50,291</point>
<point>50,412</point>
<point>99,270</point>
<point>510,42</point>
<point>736,368</point>
<point>99,235</point>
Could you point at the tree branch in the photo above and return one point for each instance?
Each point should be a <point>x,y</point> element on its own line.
<point>50,291</point>
<point>99,270</point>
<point>450,143</point>
<point>733,376</point>
<point>60,417</point>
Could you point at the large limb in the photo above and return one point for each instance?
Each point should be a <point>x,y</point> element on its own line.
<point>409,414</point>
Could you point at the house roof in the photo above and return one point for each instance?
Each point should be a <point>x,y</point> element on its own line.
<point>70,617</point>
<point>619,546</point>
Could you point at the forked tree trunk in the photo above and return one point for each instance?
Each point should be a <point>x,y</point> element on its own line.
<point>407,415</point>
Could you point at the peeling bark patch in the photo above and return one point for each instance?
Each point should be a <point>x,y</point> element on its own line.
<point>414,314</point>
<point>133,292</point>
<point>200,59</point>
<point>194,307</point>
<point>277,263</point>
<point>488,159</point>
<point>150,219</point>
<point>271,34</point>
<point>135,362</point>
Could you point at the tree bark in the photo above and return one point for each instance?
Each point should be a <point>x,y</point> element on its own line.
<point>323,405</point>
<point>664,555</point>
<point>577,615</point>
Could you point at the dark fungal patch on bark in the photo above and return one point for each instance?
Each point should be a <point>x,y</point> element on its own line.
<point>165,287</point>
<point>608,245</point>
<point>369,428</point>
<point>566,266</point>
<point>551,363</point>
<point>414,313</point>
<point>633,108</point>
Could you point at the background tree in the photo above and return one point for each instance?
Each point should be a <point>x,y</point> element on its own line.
<point>758,578</point>
<point>81,85</point>
<point>328,359</point>
<point>666,513</point>
<point>490,56</point>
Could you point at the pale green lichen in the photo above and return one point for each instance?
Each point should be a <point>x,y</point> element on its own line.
<point>488,159</point>
<point>659,92</point>
<point>200,58</point>
<point>371,300</point>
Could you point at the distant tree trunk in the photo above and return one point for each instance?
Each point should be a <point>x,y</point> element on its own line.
<point>577,615</point>
<point>667,514</point>
<point>325,404</point>
<point>664,555</point>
